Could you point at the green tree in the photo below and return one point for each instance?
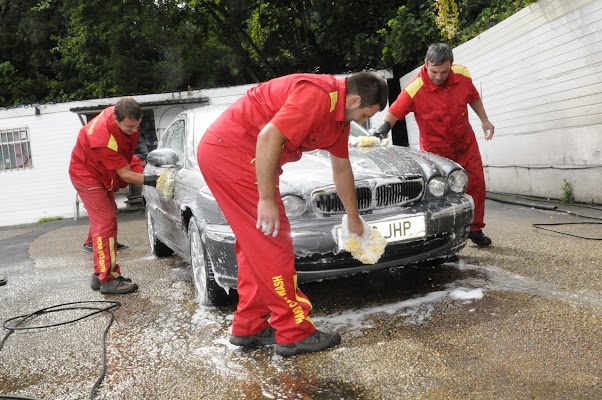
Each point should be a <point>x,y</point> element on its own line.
<point>318,36</point>
<point>28,67</point>
<point>408,35</point>
<point>60,50</point>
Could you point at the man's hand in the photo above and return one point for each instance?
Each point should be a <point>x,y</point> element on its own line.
<point>381,131</point>
<point>268,217</point>
<point>355,224</point>
<point>151,180</point>
<point>488,129</point>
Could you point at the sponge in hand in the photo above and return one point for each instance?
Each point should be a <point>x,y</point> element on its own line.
<point>367,248</point>
<point>165,184</point>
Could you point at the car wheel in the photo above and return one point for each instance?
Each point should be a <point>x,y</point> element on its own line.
<point>158,248</point>
<point>208,292</point>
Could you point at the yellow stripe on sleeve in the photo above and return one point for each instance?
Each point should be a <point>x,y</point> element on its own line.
<point>414,87</point>
<point>461,70</point>
<point>333,100</point>
<point>112,143</point>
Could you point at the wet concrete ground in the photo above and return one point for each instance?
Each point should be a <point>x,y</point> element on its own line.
<point>425,333</point>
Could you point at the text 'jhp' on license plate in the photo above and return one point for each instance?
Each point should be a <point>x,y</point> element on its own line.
<point>397,230</point>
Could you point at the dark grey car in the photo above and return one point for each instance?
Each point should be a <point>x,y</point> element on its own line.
<point>416,199</point>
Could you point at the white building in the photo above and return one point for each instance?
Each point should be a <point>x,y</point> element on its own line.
<point>36,143</point>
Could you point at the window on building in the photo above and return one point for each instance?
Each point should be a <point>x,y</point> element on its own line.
<point>15,149</point>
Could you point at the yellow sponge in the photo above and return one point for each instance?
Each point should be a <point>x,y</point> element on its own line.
<point>366,141</point>
<point>367,248</point>
<point>165,184</point>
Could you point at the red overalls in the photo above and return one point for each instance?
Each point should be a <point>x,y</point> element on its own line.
<point>310,111</point>
<point>442,116</point>
<point>100,150</point>
<point>136,166</point>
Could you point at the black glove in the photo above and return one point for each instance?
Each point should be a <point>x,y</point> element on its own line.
<point>382,130</point>
<point>151,180</point>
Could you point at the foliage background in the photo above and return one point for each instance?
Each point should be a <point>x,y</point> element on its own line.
<point>64,50</point>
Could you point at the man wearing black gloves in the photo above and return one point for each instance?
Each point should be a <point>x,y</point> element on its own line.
<point>439,96</point>
<point>100,165</point>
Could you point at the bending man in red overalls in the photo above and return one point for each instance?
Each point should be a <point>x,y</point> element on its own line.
<point>241,156</point>
<point>438,96</point>
<point>100,165</point>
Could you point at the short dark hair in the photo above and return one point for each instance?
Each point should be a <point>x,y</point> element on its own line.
<point>127,107</point>
<point>370,87</point>
<point>438,54</point>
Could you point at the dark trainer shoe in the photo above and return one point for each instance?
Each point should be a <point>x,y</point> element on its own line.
<point>88,249</point>
<point>118,286</point>
<point>263,338</point>
<point>479,238</point>
<point>95,284</point>
<point>318,341</point>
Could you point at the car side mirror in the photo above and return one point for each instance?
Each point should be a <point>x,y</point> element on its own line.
<point>162,158</point>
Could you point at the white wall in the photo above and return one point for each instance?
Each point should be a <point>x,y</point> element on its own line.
<point>540,77</point>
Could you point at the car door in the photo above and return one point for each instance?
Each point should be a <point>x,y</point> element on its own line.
<point>169,215</point>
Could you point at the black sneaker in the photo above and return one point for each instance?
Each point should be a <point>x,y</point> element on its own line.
<point>118,286</point>
<point>263,338</point>
<point>88,249</point>
<point>317,341</point>
<point>95,284</point>
<point>479,238</point>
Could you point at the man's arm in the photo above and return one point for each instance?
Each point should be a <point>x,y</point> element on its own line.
<point>479,109</point>
<point>390,118</point>
<point>384,128</point>
<point>267,158</point>
<point>344,183</point>
<point>130,176</point>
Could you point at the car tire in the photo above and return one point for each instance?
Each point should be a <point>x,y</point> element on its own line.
<point>158,248</point>
<point>208,292</point>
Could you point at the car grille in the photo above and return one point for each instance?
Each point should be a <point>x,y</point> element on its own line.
<point>371,195</point>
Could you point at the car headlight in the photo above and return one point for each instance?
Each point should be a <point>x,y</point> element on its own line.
<point>458,180</point>
<point>437,186</point>
<point>294,206</point>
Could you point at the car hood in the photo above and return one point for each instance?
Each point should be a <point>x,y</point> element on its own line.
<point>314,169</point>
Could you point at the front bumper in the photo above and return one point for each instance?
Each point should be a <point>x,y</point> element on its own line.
<point>447,227</point>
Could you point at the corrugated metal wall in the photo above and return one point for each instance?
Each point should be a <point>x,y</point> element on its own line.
<point>540,76</point>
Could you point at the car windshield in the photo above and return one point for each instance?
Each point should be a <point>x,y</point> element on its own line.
<point>357,130</point>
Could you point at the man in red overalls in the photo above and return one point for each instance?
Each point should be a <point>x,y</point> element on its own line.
<point>241,156</point>
<point>438,96</point>
<point>100,165</point>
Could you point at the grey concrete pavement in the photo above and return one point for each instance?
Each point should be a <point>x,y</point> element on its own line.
<point>519,320</point>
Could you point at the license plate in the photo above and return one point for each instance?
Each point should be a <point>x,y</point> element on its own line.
<point>397,230</point>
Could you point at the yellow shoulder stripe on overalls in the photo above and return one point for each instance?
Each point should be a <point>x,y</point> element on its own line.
<point>112,143</point>
<point>461,70</point>
<point>333,100</point>
<point>414,87</point>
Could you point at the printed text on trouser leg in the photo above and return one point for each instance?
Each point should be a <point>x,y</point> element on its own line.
<point>293,305</point>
